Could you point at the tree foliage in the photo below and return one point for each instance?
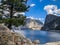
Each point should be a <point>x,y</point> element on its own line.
<point>13,6</point>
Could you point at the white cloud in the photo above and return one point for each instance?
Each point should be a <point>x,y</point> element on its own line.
<point>31,17</point>
<point>6,12</point>
<point>32,5</point>
<point>41,19</point>
<point>52,9</point>
<point>57,11</point>
<point>19,13</point>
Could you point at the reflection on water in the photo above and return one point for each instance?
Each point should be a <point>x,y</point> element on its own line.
<point>43,36</point>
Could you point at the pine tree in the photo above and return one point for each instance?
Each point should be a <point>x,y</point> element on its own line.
<point>13,6</point>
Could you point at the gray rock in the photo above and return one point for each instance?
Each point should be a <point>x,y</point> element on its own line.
<point>52,23</point>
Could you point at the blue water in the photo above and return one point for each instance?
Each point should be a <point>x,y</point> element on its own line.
<point>42,36</point>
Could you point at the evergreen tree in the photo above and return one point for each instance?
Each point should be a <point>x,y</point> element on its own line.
<point>13,6</point>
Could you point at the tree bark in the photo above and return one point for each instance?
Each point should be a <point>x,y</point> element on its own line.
<point>11,16</point>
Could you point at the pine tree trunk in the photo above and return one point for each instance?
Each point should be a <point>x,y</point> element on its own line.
<point>11,15</point>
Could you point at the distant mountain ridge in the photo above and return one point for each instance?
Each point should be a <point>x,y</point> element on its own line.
<point>32,24</point>
<point>29,19</point>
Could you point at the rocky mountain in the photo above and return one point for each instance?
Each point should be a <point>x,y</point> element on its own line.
<point>33,24</point>
<point>50,18</point>
<point>52,23</point>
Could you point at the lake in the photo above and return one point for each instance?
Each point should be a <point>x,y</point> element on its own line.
<point>42,36</point>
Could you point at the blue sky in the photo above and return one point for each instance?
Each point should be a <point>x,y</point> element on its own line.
<point>37,7</point>
<point>40,8</point>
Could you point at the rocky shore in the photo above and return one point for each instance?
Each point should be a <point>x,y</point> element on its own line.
<point>53,43</point>
<point>12,38</point>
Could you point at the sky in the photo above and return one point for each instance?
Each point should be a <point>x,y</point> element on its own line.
<point>40,8</point>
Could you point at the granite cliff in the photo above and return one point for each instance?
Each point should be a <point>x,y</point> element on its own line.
<point>32,24</point>
<point>52,23</point>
